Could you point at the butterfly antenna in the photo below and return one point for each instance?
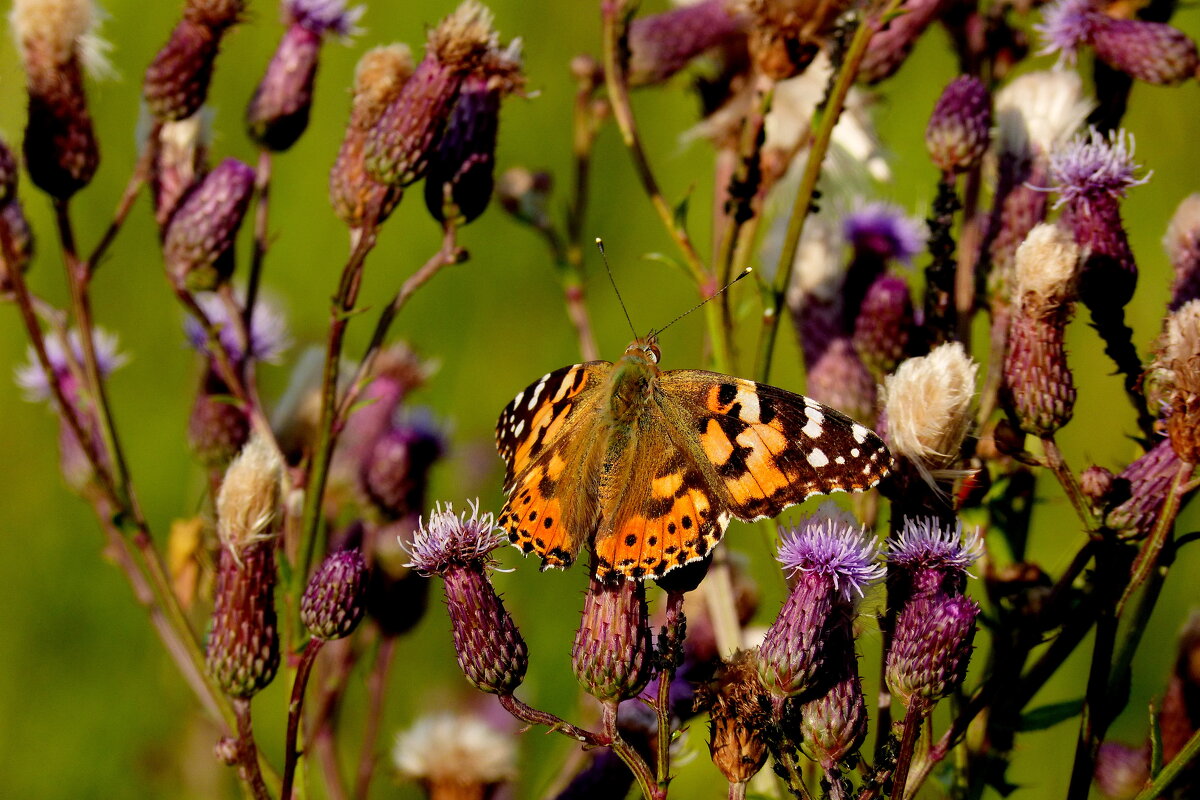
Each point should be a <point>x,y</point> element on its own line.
<point>613,281</point>
<point>717,293</point>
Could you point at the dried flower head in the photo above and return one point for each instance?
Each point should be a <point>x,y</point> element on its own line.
<point>335,600</point>
<point>928,402</point>
<point>249,496</point>
<point>455,755</point>
<point>1176,375</point>
<point>1047,267</point>
<point>1037,112</point>
<point>1182,244</point>
<point>61,30</point>
<point>960,128</point>
<point>738,714</point>
<point>785,36</point>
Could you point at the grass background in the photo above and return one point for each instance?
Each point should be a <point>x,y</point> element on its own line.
<point>90,706</point>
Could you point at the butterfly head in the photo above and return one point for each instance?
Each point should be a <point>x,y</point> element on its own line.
<point>644,348</point>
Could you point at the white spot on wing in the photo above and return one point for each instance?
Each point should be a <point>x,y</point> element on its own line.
<point>812,429</point>
<point>854,452</point>
<point>537,392</point>
<point>750,408</point>
<point>817,457</point>
<point>859,433</point>
<point>520,426</point>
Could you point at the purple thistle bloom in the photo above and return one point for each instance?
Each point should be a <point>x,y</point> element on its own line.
<point>1093,166</point>
<point>449,540</point>
<point>269,336</point>
<point>32,379</point>
<point>927,558</point>
<point>1066,26</point>
<point>831,546</point>
<point>323,16</point>
<point>884,230</point>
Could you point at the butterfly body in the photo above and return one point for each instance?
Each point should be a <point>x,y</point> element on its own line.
<point>648,466</point>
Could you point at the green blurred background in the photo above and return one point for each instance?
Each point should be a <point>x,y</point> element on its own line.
<point>90,706</point>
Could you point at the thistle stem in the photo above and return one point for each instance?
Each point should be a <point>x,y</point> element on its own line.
<point>262,194</point>
<point>1163,780</point>
<point>376,690</point>
<point>295,707</point>
<point>914,719</point>
<point>134,187</point>
<point>248,769</point>
<point>673,626</point>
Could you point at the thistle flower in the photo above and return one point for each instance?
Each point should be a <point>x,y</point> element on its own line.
<point>269,335</point>
<point>490,650</point>
<point>1039,385</point>
<point>16,242</point>
<point>931,647</point>
<point>1149,51</point>
<point>278,111</point>
<point>198,246</point>
<point>884,325</point>
<point>1121,770</point>
<point>1149,479</point>
<point>884,231</point>
<point>833,562</point>
<point>660,45</point>
<point>1182,244</point>
<point>176,82</point>
<point>927,558</point>
<point>613,651</point>
<point>890,46</point>
<point>335,600</point>
<point>378,79</point>
<point>455,756</point>
<point>399,145</point>
<point>738,713</point>
<point>833,725</point>
<point>54,38</point>
<point>395,473</point>
<point>460,180</point>
<point>243,645</point>
<point>1176,378</point>
<point>928,402</point>
<point>180,162</point>
<point>959,129</point>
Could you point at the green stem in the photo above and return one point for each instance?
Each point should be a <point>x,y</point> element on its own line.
<point>914,719</point>
<point>1055,461</point>
<point>262,188</point>
<point>1158,787</point>
<point>136,181</point>
<point>295,708</point>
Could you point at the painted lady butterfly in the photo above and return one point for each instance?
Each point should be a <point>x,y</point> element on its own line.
<point>648,466</point>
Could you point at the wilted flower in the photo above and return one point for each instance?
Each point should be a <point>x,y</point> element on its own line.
<point>786,35</point>
<point>335,600</point>
<point>455,756</point>
<point>613,652</point>
<point>738,713</point>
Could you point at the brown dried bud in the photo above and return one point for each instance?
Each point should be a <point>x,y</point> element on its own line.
<point>1176,375</point>
<point>785,37</point>
<point>738,713</point>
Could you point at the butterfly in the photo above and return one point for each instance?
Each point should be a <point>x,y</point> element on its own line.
<point>648,466</point>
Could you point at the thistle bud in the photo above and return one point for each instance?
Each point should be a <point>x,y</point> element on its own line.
<point>278,111</point>
<point>395,474</point>
<point>1040,388</point>
<point>931,647</point>
<point>455,756</point>
<point>335,600</point>
<point>1149,479</point>
<point>927,558</point>
<point>198,247</point>
<point>834,724</point>
<point>660,45</point>
<point>61,153</point>
<point>243,645</point>
<point>1121,771</point>
<point>890,46</point>
<point>8,174</point>
<point>1182,244</point>
<point>16,243</point>
<point>398,147</point>
<point>833,562</point>
<point>176,82</point>
<point>218,427</point>
<point>358,199</point>
<point>841,380</point>
<point>613,651</point>
<point>1176,375</point>
<point>928,404</point>
<point>1148,51</point>
<point>490,650</point>
<point>460,179</point>
<point>180,162</point>
<point>884,325</point>
<point>1098,485</point>
<point>960,128</point>
<point>738,714</point>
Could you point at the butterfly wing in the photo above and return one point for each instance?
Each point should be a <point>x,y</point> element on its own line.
<point>769,447</point>
<point>544,439</point>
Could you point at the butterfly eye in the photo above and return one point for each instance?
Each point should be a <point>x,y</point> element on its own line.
<point>655,353</point>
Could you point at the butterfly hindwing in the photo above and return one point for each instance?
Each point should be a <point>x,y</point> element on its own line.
<point>770,447</point>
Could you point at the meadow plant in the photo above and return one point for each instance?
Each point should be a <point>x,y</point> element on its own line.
<point>318,541</point>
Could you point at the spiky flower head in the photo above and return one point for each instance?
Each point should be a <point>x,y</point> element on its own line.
<point>1176,378</point>
<point>613,651</point>
<point>358,199</point>
<point>738,713</point>
<point>931,647</point>
<point>1066,26</point>
<point>928,403</point>
<point>833,725</point>
<point>269,335</point>
<point>455,756</point>
<point>176,82</point>
<point>335,600</point>
<point>959,130</point>
<point>660,45</point>
<point>398,147</point>
<point>490,649</point>
<point>1182,244</point>
<point>884,325</point>
<point>928,557</point>
<point>61,355</point>
<point>1149,479</point>
<point>198,246</point>
<point>279,109</point>
<point>55,38</point>
<point>832,562</point>
<point>884,230</point>
<point>1094,166</point>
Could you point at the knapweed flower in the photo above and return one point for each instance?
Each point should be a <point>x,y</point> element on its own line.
<point>455,756</point>
<point>243,645</point>
<point>927,557</point>
<point>832,562</point>
<point>1176,377</point>
<point>398,147</point>
<point>176,82</point>
<point>269,335</point>
<point>613,651</point>
<point>660,45</point>
<point>1149,51</point>
<point>357,198</point>
<point>928,405</point>
<point>1182,244</point>
<point>738,714</point>
<point>278,111</point>
<point>490,650</point>
<point>198,246</point>
<point>1039,385</point>
<point>833,725</point>
<point>931,647</point>
<point>460,179</point>
<point>55,37</point>
<point>335,600</point>
<point>959,129</point>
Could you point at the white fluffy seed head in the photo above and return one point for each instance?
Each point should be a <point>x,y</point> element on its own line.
<point>1047,264</point>
<point>455,749</point>
<point>61,30</point>
<point>249,496</point>
<point>929,406</point>
<point>1182,241</point>
<point>1038,111</point>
